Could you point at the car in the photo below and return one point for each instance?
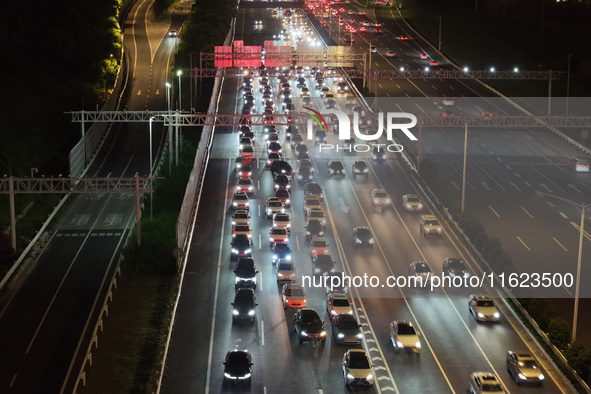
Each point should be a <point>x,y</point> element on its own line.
<point>241,216</point>
<point>285,87</point>
<point>278,235</point>
<point>314,228</point>
<point>247,134</point>
<point>342,87</point>
<point>244,185</point>
<point>269,128</point>
<point>281,181</point>
<point>301,82</point>
<point>247,151</point>
<point>378,154</point>
<point>318,245</point>
<point>272,157</point>
<point>421,271</point>
<point>403,38</point>
<point>360,168</point>
<point>271,137</point>
<point>433,63</point>
<point>320,137</point>
<point>273,205</point>
<point>316,214</point>
<point>280,251</point>
<point>172,33</point>
<point>483,308</point>
<point>245,170</point>
<point>349,40</point>
<point>305,174</point>
<point>285,196</point>
<point>293,296</point>
<point>296,139</point>
<point>301,148</point>
<point>274,147</point>
<point>362,236</point>
<point>404,336</point>
<point>241,246</point>
<point>335,282</point>
<point>302,156</point>
<point>285,271</point>
<point>280,167</point>
<point>238,367</point>
<point>357,370</point>
<point>346,330</point>
<point>289,108</point>
<point>447,114</point>
<point>412,203</point>
<point>305,163</point>
<point>485,383</point>
<point>390,53</point>
<point>337,304</point>
<point>304,92</point>
<point>423,56</point>
<point>240,201</point>
<point>314,189</point>
<point>242,229</point>
<point>244,305</point>
<point>455,267</point>
<point>324,91</point>
<point>336,167</point>
<point>308,326</point>
<point>487,115</point>
<point>373,49</point>
<point>524,368</point>
<point>249,100</point>
<point>448,102</point>
<point>429,226</point>
<point>319,83</point>
<point>311,202</point>
<point>246,273</point>
<point>282,220</point>
<point>379,198</point>
<point>582,165</point>
<point>322,263</point>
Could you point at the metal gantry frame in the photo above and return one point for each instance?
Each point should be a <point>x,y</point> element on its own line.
<point>66,185</point>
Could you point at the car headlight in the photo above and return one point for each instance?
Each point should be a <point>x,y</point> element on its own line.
<point>480,314</point>
<point>365,170</point>
<point>234,250</point>
<point>418,345</point>
<point>371,241</point>
<point>359,336</point>
<point>541,376</point>
<point>357,240</point>
<point>279,275</point>
<point>323,333</point>
<point>246,204</point>
<point>369,377</point>
<point>227,375</point>
<point>317,270</point>
<point>250,188</point>
<point>496,315</point>
<point>438,229</point>
<point>307,233</point>
<point>349,376</point>
<point>340,335</point>
<point>276,186</point>
<point>245,376</point>
<point>235,312</point>
<point>287,201</point>
<point>303,333</point>
<point>399,344</point>
<point>350,312</point>
<point>420,206</point>
<point>408,206</point>
<point>235,204</point>
<point>388,201</point>
<point>251,312</point>
<point>248,251</point>
<point>274,257</point>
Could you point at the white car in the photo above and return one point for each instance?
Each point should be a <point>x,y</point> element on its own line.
<point>285,271</point>
<point>357,370</point>
<point>404,336</point>
<point>412,203</point>
<point>278,235</point>
<point>380,198</point>
<point>240,201</point>
<point>282,220</point>
<point>337,304</point>
<point>483,308</point>
<point>311,202</point>
<point>582,165</point>
<point>244,185</point>
<point>485,383</point>
<point>448,102</point>
<point>173,33</point>
<point>242,229</point>
<point>241,216</point>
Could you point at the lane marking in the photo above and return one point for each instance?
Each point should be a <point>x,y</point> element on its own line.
<point>523,243</point>
<point>562,246</point>
<point>528,214</point>
<point>563,215</point>
<point>495,212</point>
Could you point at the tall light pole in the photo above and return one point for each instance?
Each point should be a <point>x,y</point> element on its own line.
<point>151,164</point>
<point>583,208</point>
<point>178,74</point>
<point>439,33</point>
<point>568,82</point>
<point>168,86</point>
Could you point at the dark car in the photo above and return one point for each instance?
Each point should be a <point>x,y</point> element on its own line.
<point>274,147</point>
<point>280,167</point>
<point>455,267</point>
<point>305,174</point>
<point>270,128</point>
<point>360,168</point>
<point>296,140</point>
<point>244,170</point>
<point>320,137</point>
<point>281,181</point>
<point>346,330</point>
<point>246,273</point>
<point>280,251</point>
<point>285,196</point>
<point>243,129</point>
<point>336,168</point>
<point>302,156</point>
<point>314,228</point>
<point>301,82</point>
<point>244,305</point>
<point>315,189</point>
<point>241,247</point>
<point>378,154</point>
<point>322,263</point>
<point>301,148</point>
<point>308,326</point>
<point>362,236</point>
<point>289,131</point>
<point>237,367</point>
<point>249,100</point>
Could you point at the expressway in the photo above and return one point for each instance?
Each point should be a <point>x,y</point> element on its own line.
<point>453,343</point>
<point>45,323</point>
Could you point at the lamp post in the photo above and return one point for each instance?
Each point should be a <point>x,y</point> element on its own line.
<point>568,82</point>
<point>178,74</point>
<point>151,196</point>
<point>583,208</point>
<point>168,86</point>
<point>439,33</point>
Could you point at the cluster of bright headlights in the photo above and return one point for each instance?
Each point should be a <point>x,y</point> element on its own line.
<point>227,375</point>
<point>236,251</point>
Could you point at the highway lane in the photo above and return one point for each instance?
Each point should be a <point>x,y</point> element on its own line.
<point>443,319</point>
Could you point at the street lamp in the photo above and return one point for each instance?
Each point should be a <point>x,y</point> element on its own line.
<point>568,82</point>
<point>151,196</point>
<point>179,73</point>
<point>168,86</point>
<point>583,208</point>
